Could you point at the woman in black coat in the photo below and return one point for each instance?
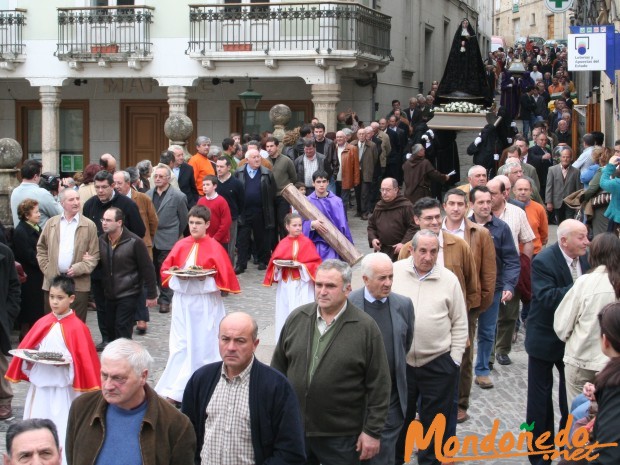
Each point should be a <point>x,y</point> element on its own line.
<point>25,238</point>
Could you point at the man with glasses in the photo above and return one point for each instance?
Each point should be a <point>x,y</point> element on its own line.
<point>94,209</point>
<point>171,207</point>
<point>126,265</point>
<point>391,225</point>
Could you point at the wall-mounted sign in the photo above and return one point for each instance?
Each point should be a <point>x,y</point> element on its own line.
<point>587,52</point>
<point>559,6</point>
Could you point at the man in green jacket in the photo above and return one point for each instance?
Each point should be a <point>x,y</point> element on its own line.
<point>333,355</point>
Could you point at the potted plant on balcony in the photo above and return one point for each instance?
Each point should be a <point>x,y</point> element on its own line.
<point>237,47</point>
<point>103,49</point>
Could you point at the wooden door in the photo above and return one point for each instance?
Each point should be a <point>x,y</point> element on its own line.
<point>142,130</point>
<point>551,27</point>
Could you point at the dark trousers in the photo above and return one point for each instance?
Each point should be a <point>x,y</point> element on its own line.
<point>165,294</point>
<point>283,208</point>
<point>332,450</point>
<point>563,213</point>
<point>389,435</point>
<point>395,170</point>
<point>344,195</point>
<point>540,402</point>
<point>142,311</point>
<point>253,225</point>
<point>120,314</point>
<point>433,384</point>
<point>96,286</point>
<point>362,197</point>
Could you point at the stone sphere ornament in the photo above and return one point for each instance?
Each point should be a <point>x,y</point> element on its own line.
<point>280,115</point>
<point>178,127</point>
<point>10,153</point>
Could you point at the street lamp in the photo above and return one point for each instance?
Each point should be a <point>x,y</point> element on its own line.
<point>250,98</point>
<point>249,101</point>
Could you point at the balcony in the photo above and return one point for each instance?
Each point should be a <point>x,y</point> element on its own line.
<point>11,40</point>
<point>104,35</point>
<point>326,32</point>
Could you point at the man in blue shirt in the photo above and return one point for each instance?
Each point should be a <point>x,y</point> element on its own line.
<point>508,267</point>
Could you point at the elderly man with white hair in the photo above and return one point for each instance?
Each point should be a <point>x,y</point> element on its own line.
<point>393,313</point>
<point>440,336</point>
<point>259,216</point>
<point>127,422</point>
<point>476,176</point>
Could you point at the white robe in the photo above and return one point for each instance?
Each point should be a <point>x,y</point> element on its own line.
<point>291,294</point>
<point>197,309</point>
<point>51,386</point>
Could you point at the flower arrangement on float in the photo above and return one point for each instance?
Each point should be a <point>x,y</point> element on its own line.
<point>460,107</point>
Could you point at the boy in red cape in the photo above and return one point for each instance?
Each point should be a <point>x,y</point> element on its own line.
<point>197,303</point>
<point>295,283</point>
<point>54,387</point>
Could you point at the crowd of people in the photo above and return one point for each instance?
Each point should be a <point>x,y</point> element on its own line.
<point>455,270</point>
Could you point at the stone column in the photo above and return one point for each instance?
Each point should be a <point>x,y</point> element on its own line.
<point>325,97</point>
<point>177,100</point>
<point>176,127</point>
<point>50,128</point>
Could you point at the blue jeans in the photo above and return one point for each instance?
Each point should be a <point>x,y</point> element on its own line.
<point>527,126</point>
<point>487,324</point>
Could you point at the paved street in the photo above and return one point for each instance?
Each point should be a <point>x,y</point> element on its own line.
<point>506,402</point>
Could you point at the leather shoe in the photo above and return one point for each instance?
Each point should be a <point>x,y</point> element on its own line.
<point>101,346</point>
<point>358,214</point>
<point>503,359</point>
<point>164,308</point>
<point>484,382</point>
<point>6,412</point>
<point>239,270</point>
<point>462,416</point>
<point>262,267</point>
<point>141,327</point>
<point>365,216</point>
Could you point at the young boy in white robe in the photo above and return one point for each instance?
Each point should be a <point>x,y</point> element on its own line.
<point>54,383</point>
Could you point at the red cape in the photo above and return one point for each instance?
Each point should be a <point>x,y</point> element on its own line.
<point>300,249</point>
<point>86,367</point>
<point>210,254</point>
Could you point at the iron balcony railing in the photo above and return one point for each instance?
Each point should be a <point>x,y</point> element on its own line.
<point>11,40</point>
<point>114,32</point>
<point>288,27</point>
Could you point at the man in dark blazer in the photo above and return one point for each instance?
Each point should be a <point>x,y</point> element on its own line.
<point>540,158</point>
<point>554,270</point>
<point>560,185</point>
<point>185,175</point>
<point>394,315</point>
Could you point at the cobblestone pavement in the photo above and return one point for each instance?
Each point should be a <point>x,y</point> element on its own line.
<point>505,402</point>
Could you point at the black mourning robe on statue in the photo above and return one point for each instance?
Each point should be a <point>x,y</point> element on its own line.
<point>464,76</point>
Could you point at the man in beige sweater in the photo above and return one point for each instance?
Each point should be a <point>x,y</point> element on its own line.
<point>439,336</point>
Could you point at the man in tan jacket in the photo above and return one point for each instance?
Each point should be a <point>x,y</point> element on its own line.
<point>481,244</point>
<point>69,245</point>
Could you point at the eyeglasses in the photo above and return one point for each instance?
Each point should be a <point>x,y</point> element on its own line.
<point>431,218</point>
